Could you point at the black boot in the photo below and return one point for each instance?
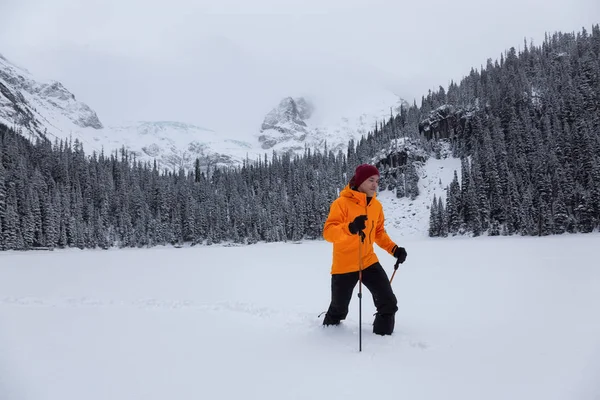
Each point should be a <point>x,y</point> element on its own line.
<point>384,324</point>
<point>328,320</point>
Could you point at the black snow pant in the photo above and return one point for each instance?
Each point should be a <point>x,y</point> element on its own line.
<point>376,280</point>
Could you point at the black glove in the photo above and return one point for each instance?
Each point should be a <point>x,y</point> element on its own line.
<point>358,224</point>
<point>400,254</point>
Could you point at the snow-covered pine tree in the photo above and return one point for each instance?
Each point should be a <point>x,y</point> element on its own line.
<point>434,228</point>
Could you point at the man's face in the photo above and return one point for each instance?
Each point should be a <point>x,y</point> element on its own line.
<point>370,185</point>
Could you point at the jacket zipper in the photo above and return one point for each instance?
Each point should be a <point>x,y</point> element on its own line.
<point>372,224</point>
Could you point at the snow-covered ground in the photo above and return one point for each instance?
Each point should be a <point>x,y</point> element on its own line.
<point>480,318</point>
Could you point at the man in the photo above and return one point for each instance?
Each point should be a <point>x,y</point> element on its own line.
<point>355,222</point>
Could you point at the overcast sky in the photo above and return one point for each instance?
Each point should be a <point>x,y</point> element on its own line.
<point>225,63</point>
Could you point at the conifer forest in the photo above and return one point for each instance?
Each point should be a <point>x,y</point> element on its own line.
<point>526,128</point>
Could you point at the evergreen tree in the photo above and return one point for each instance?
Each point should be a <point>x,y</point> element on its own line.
<point>454,205</point>
<point>434,223</point>
<point>442,220</point>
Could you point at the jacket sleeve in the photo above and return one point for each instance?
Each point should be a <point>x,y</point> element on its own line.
<point>336,225</point>
<point>381,237</point>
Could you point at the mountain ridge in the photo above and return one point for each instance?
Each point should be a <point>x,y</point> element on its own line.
<point>47,109</point>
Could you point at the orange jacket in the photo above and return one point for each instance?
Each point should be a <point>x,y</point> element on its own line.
<point>342,211</point>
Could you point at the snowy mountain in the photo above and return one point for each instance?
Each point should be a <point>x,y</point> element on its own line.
<point>286,123</point>
<point>40,108</point>
<point>297,123</point>
<point>174,144</point>
<point>48,109</point>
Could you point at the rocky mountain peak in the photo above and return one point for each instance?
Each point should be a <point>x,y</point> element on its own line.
<point>297,123</point>
<point>289,112</point>
<point>286,122</point>
<point>38,106</point>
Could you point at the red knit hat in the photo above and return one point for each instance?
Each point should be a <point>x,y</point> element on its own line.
<point>362,173</point>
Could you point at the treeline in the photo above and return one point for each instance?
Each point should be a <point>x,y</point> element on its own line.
<point>53,195</point>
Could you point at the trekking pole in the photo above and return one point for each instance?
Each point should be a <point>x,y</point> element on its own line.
<point>361,234</point>
<point>395,269</point>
